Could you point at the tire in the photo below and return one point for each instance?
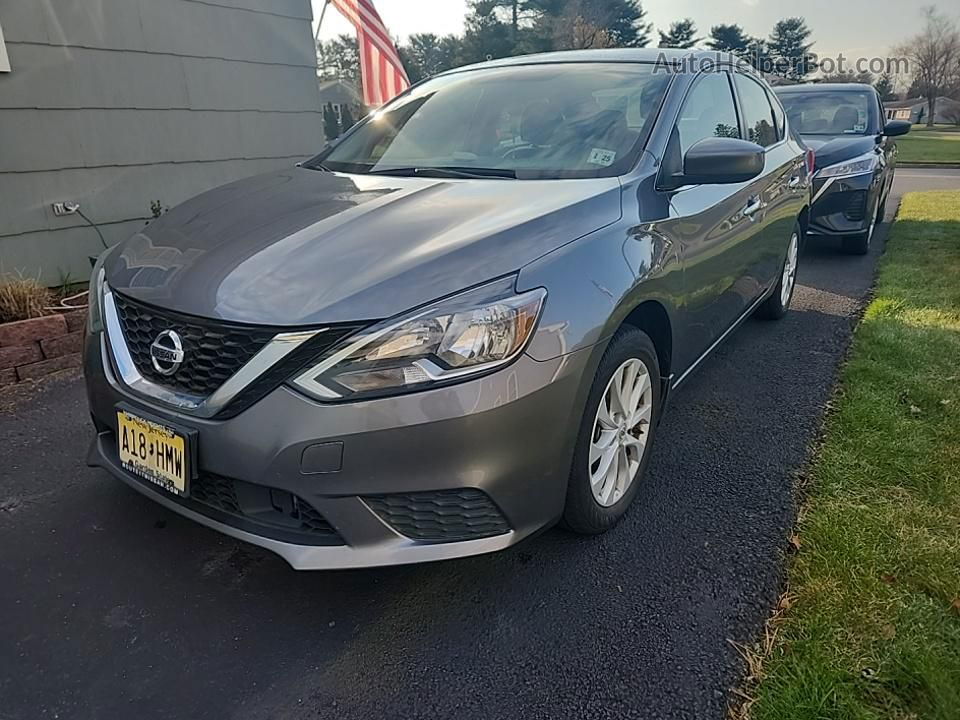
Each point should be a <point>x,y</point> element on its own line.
<point>882,208</point>
<point>585,512</point>
<point>859,244</point>
<point>776,306</point>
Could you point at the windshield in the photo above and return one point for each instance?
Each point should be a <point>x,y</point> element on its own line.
<point>535,121</point>
<point>827,113</point>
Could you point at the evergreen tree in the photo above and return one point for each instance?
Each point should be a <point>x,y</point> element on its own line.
<point>790,50</point>
<point>731,39</point>
<point>915,90</point>
<point>579,24</point>
<point>884,87</point>
<point>426,54</point>
<point>682,34</point>
<point>339,59</point>
<point>758,54</point>
<point>485,35</point>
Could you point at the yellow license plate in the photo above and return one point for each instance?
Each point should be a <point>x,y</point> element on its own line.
<point>152,451</point>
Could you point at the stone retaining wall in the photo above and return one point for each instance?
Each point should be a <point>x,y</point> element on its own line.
<point>30,349</point>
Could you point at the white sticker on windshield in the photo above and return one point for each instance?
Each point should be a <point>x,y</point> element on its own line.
<point>859,127</point>
<point>599,156</point>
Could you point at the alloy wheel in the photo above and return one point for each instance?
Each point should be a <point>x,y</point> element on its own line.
<point>620,432</point>
<point>789,270</point>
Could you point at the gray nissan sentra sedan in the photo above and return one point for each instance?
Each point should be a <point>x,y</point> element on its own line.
<point>460,323</point>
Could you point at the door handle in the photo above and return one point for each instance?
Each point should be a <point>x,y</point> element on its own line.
<point>753,206</point>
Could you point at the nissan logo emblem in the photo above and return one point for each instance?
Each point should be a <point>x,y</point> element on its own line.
<point>166,353</point>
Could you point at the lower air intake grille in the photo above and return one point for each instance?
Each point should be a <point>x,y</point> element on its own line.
<point>857,206</point>
<point>441,515</point>
<point>275,513</point>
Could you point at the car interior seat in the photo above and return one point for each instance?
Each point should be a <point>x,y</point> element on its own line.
<point>844,119</point>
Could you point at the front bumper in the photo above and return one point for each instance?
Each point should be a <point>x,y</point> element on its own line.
<point>844,205</point>
<point>492,453</point>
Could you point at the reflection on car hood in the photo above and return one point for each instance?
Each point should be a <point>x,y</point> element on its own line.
<point>301,247</point>
<point>831,149</point>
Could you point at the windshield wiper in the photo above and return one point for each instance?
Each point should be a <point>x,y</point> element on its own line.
<point>447,171</point>
<point>314,166</point>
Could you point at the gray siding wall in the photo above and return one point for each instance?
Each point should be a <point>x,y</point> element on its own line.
<point>117,103</point>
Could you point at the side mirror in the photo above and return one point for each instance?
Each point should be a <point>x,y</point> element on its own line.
<point>896,127</point>
<point>721,161</point>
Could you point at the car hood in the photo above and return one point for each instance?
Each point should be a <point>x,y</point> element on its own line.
<point>301,247</point>
<point>831,149</point>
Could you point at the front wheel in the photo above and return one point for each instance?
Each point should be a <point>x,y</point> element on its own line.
<point>776,306</point>
<point>616,434</point>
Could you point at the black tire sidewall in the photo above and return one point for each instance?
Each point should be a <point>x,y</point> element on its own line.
<point>583,514</point>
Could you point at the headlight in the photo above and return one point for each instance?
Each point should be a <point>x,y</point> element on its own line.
<point>464,335</point>
<point>95,296</point>
<point>856,166</point>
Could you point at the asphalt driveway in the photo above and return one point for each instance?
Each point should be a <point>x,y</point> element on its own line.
<point>113,607</point>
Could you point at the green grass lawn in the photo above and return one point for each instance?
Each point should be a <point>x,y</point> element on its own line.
<point>940,144</point>
<point>872,625</point>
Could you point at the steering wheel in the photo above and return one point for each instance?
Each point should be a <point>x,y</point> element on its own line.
<point>512,153</point>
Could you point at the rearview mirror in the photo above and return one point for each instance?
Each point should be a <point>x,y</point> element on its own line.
<point>896,127</point>
<point>721,161</point>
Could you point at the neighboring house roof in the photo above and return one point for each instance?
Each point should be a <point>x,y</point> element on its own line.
<point>895,104</point>
<point>918,102</point>
<point>339,92</point>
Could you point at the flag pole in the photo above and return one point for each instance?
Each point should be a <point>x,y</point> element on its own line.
<point>323,11</point>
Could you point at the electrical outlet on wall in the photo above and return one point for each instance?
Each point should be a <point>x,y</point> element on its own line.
<point>65,208</point>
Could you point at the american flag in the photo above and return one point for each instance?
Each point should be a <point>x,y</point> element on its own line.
<point>381,71</point>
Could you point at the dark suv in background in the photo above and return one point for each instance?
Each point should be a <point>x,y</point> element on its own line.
<point>845,126</point>
<point>459,324</point>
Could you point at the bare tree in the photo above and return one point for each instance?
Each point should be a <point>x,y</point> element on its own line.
<point>934,55</point>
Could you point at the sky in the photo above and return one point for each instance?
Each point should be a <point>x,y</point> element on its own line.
<point>857,28</point>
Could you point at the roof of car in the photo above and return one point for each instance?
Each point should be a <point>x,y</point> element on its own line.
<point>638,55</point>
<point>824,87</point>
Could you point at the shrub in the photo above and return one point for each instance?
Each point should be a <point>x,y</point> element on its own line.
<point>22,298</point>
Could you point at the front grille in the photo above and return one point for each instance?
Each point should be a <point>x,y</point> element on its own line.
<point>441,515</point>
<point>215,350</point>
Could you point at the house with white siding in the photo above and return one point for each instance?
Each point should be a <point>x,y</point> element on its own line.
<point>915,110</point>
<point>117,105</point>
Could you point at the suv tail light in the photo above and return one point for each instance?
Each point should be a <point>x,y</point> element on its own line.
<point>811,159</point>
